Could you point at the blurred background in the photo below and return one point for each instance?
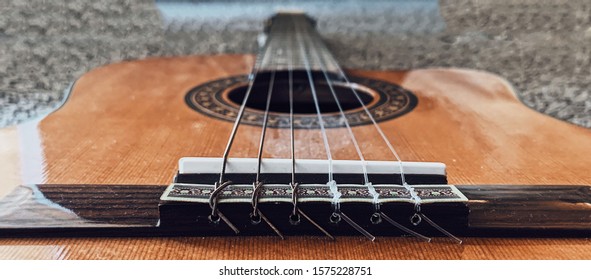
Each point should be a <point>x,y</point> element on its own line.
<point>542,47</point>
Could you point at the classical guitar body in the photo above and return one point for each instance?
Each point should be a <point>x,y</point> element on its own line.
<point>118,138</point>
<point>129,123</point>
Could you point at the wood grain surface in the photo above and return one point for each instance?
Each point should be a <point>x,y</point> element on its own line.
<point>304,247</point>
<point>128,124</point>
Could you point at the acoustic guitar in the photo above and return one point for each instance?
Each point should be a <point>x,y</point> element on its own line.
<point>284,155</point>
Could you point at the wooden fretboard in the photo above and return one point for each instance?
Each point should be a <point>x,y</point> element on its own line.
<point>293,43</point>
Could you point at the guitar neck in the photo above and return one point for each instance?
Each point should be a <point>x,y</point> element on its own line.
<point>293,43</point>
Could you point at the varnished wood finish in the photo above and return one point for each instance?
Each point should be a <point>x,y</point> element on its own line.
<point>529,207</point>
<point>127,124</point>
<point>136,210</point>
<point>268,247</point>
<point>293,248</point>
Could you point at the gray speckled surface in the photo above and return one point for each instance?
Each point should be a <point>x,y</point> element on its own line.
<point>542,47</point>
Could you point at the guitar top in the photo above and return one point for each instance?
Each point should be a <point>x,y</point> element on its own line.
<point>93,173</point>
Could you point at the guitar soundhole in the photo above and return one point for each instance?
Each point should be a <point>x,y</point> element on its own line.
<point>222,98</point>
<point>303,99</point>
